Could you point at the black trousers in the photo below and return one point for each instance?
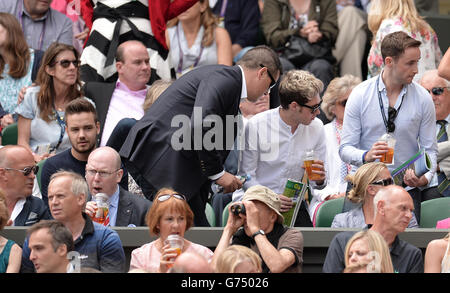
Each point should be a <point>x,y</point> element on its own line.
<point>419,196</point>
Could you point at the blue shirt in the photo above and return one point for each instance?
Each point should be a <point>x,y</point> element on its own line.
<point>113,206</point>
<point>415,125</point>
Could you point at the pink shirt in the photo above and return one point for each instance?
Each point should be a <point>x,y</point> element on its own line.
<point>444,224</point>
<point>147,257</point>
<point>125,103</point>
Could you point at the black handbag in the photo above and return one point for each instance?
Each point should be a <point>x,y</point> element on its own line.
<point>299,51</point>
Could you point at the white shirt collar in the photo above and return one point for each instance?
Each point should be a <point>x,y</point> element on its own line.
<point>17,209</point>
<point>244,85</point>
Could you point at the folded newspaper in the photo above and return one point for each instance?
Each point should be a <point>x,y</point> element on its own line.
<point>296,191</point>
<point>420,163</point>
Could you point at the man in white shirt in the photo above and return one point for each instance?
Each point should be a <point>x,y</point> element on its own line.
<point>277,139</point>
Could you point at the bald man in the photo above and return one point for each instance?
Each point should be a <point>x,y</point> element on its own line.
<point>103,174</point>
<point>124,98</point>
<point>393,210</point>
<point>17,173</point>
<point>439,89</point>
<point>189,262</point>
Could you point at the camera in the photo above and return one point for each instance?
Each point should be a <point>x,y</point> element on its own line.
<point>238,209</point>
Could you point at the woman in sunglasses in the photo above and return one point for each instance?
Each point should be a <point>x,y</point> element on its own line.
<point>41,126</point>
<point>170,214</point>
<point>367,181</point>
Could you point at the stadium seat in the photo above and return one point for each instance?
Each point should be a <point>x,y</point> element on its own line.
<point>38,175</point>
<point>210,215</point>
<point>225,214</point>
<point>9,134</point>
<point>328,210</point>
<point>434,210</point>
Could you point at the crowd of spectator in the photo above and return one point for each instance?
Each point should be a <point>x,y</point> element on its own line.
<point>131,101</point>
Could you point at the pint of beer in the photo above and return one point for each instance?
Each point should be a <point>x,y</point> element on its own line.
<point>388,158</point>
<point>308,160</point>
<point>102,201</point>
<point>175,241</point>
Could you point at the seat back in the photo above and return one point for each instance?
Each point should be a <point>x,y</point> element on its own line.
<point>328,210</point>
<point>225,214</point>
<point>38,175</point>
<point>9,134</point>
<point>434,210</point>
<point>210,215</point>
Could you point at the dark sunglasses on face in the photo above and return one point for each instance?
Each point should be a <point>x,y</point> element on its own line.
<point>272,80</point>
<point>437,91</point>
<point>384,182</point>
<point>66,63</point>
<point>313,108</point>
<point>164,197</point>
<point>27,170</point>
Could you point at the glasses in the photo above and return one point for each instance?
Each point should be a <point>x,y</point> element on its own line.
<point>392,114</point>
<point>102,174</point>
<point>66,63</point>
<point>313,108</point>
<point>164,197</point>
<point>342,103</point>
<point>273,82</point>
<point>27,170</point>
<point>384,182</point>
<point>437,91</point>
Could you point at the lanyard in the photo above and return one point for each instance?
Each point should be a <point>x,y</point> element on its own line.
<point>62,125</point>
<point>180,62</point>
<point>382,107</point>
<point>20,17</point>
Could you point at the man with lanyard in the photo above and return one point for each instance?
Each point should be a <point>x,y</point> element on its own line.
<point>41,25</point>
<point>392,103</point>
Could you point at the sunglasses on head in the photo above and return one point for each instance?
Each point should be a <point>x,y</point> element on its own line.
<point>437,91</point>
<point>164,197</point>
<point>27,170</point>
<point>313,108</point>
<point>384,182</point>
<point>66,63</point>
<point>272,80</point>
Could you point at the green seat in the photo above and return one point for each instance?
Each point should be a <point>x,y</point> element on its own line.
<point>328,210</point>
<point>38,175</point>
<point>210,215</point>
<point>434,210</point>
<point>9,134</point>
<point>225,214</point>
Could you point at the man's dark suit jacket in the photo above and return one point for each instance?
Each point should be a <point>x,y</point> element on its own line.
<point>215,89</point>
<point>132,209</point>
<point>32,212</point>
<point>100,93</point>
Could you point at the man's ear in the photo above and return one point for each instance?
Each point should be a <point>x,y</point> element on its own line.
<point>388,61</point>
<point>62,250</point>
<point>380,207</point>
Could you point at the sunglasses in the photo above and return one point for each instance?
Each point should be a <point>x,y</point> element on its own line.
<point>313,108</point>
<point>27,170</point>
<point>102,174</point>
<point>66,63</point>
<point>164,197</point>
<point>384,182</point>
<point>392,114</point>
<point>437,91</point>
<point>272,80</point>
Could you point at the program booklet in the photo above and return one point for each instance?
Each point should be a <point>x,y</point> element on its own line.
<point>295,190</point>
<point>419,162</point>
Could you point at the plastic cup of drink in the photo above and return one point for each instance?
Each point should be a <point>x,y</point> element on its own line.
<point>388,158</point>
<point>102,201</point>
<point>308,160</point>
<point>175,241</point>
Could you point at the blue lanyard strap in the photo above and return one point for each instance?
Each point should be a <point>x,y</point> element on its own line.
<point>180,62</point>
<point>20,18</point>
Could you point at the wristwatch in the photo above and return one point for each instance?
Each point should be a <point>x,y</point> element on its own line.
<point>258,233</point>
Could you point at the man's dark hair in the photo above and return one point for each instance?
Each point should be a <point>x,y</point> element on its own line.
<point>80,105</point>
<point>395,44</point>
<point>261,55</point>
<point>60,234</point>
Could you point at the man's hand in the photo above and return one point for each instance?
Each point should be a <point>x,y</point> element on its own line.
<point>91,208</point>
<point>412,180</point>
<point>234,221</point>
<point>314,37</point>
<point>83,35</point>
<point>286,203</point>
<point>252,217</point>
<point>378,149</point>
<point>318,164</point>
<point>229,182</point>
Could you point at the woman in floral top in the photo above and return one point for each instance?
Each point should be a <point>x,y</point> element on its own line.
<point>388,16</point>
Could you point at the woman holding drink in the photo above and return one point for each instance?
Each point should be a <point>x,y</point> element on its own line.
<point>169,218</point>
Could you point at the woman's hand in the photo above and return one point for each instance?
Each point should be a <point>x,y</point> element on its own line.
<point>7,120</point>
<point>168,257</point>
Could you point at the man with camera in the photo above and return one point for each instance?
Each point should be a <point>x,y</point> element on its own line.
<point>257,223</point>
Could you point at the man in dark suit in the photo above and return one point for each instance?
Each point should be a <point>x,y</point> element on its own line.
<point>103,174</point>
<point>159,153</point>
<point>17,173</point>
<point>124,98</point>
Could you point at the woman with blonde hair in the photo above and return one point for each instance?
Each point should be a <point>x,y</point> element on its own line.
<point>41,126</point>
<point>169,214</point>
<point>388,16</point>
<point>195,39</point>
<point>369,248</point>
<point>367,181</point>
<point>238,259</point>
<point>333,105</point>
<point>437,256</point>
